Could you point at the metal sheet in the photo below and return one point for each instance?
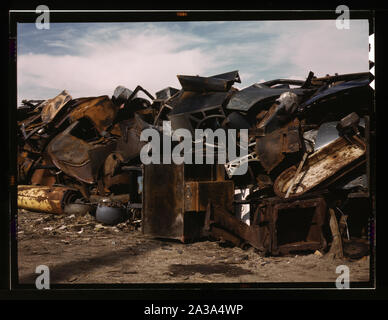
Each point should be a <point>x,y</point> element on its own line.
<point>76,157</point>
<point>327,133</point>
<point>271,148</point>
<point>163,201</point>
<point>337,89</point>
<point>129,144</point>
<point>246,98</point>
<point>220,82</point>
<point>187,101</point>
<point>100,110</point>
<point>198,194</point>
<point>236,121</point>
<point>51,107</point>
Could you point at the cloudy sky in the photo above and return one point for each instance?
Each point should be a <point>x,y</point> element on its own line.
<point>91,59</point>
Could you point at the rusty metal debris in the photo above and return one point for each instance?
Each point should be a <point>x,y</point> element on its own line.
<point>307,154</point>
<point>339,156</point>
<point>45,199</point>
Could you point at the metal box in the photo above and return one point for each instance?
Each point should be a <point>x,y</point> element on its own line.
<point>175,198</point>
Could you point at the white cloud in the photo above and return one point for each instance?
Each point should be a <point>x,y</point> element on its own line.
<point>318,46</point>
<point>152,55</point>
<point>151,58</point>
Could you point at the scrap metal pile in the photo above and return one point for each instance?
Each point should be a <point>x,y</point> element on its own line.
<point>307,160</point>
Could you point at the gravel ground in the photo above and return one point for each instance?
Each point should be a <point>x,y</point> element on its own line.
<point>78,249</point>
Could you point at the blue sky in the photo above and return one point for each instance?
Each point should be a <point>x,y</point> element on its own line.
<point>91,59</point>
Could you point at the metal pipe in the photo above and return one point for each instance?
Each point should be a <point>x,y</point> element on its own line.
<point>296,174</point>
<point>45,199</point>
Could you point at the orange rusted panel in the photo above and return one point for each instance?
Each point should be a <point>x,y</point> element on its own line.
<point>100,110</point>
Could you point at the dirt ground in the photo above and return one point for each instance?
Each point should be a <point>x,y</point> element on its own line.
<point>78,249</point>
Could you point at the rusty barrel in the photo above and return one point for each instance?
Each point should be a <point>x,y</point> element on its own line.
<point>45,199</point>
